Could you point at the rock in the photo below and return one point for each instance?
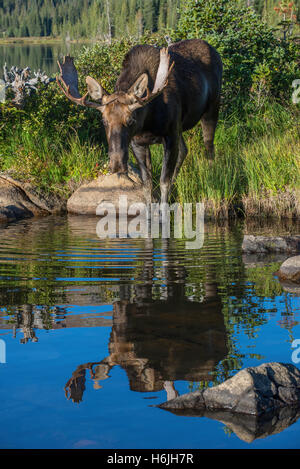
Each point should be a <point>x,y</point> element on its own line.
<point>14,204</point>
<point>290,270</point>
<point>292,288</point>
<point>265,244</point>
<point>253,391</point>
<point>107,188</point>
<point>252,261</point>
<point>21,200</point>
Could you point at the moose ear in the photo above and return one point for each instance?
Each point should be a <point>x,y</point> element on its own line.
<point>95,90</point>
<point>140,86</point>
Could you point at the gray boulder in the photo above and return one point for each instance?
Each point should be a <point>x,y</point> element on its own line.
<point>108,189</point>
<point>21,200</point>
<point>266,244</point>
<point>290,270</point>
<point>253,391</point>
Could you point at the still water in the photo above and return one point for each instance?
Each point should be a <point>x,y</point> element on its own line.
<point>36,56</point>
<point>97,332</point>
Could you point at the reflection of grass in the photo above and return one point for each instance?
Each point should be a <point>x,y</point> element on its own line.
<point>266,285</point>
<point>228,431</point>
<point>242,307</point>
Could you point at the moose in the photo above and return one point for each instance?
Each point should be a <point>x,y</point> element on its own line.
<point>159,94</point>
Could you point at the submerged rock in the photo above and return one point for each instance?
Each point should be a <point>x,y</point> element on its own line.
<point>21,200</point>
<point>265,244</point>
<point>108,189</point>
<point>253,391</point>
<point>290,270</point>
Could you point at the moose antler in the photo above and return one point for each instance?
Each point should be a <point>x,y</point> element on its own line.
<point>68,83</point>
<point>161,81</point>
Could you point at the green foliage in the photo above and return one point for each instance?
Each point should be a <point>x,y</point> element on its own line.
<point>247,47</point>
<point>85,18</point>
<point>91,18</point>
<point>49,162</point>
<point>49,112</point>
<point>104,61</point>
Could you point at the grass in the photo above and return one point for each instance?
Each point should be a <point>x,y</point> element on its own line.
<point>256,170</point>
<point>50,164</point>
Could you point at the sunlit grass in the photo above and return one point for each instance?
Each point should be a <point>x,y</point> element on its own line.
<point>50,163</point>
<point>256,158</point>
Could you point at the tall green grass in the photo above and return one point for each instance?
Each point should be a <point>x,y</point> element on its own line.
<point>256,167</point>
<point>50,163</point>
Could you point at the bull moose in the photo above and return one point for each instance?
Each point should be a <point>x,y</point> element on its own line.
<point>159,94</point>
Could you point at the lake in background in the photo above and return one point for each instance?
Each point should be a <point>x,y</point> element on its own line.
<point>37,56</point>
<point>98,331</point>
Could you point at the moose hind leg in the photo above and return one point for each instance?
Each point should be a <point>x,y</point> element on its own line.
<point>209,123</point>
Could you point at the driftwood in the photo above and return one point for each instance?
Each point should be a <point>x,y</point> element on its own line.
<point>23,82</point>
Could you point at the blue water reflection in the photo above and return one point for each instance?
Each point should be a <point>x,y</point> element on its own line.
<point>98,332</point>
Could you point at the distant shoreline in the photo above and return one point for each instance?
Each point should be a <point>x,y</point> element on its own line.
<point>41,40</point>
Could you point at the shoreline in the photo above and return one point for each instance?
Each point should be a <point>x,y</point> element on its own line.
<point>42,40</point>
<point>35,203</point>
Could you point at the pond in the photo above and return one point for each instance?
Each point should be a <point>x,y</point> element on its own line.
<point>97,332</point>
<point>37,56</point>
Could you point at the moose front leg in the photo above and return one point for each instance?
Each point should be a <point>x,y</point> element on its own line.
<point>143,156</point>
<point>182,152</point>
<point>171,147</point>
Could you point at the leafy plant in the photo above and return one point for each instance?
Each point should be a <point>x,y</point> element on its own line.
<point>245,44</point>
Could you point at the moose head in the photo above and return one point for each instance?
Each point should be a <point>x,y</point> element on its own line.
<point>119,108</point>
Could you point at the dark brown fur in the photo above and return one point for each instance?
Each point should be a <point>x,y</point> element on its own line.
<point>192,94</point>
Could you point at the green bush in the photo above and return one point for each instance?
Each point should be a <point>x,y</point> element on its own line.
<point>104,61</point>
<point>49,112</point>
<point>250,50</point>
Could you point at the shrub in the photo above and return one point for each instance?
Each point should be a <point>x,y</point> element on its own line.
<point>248,48</point>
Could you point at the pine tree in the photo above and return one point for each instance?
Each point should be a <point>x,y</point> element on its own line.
<point>100,18</point>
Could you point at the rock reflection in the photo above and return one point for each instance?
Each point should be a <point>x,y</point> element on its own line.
<point>249,427</point>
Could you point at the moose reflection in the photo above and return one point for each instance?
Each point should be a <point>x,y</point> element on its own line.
<point>159,340</point>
